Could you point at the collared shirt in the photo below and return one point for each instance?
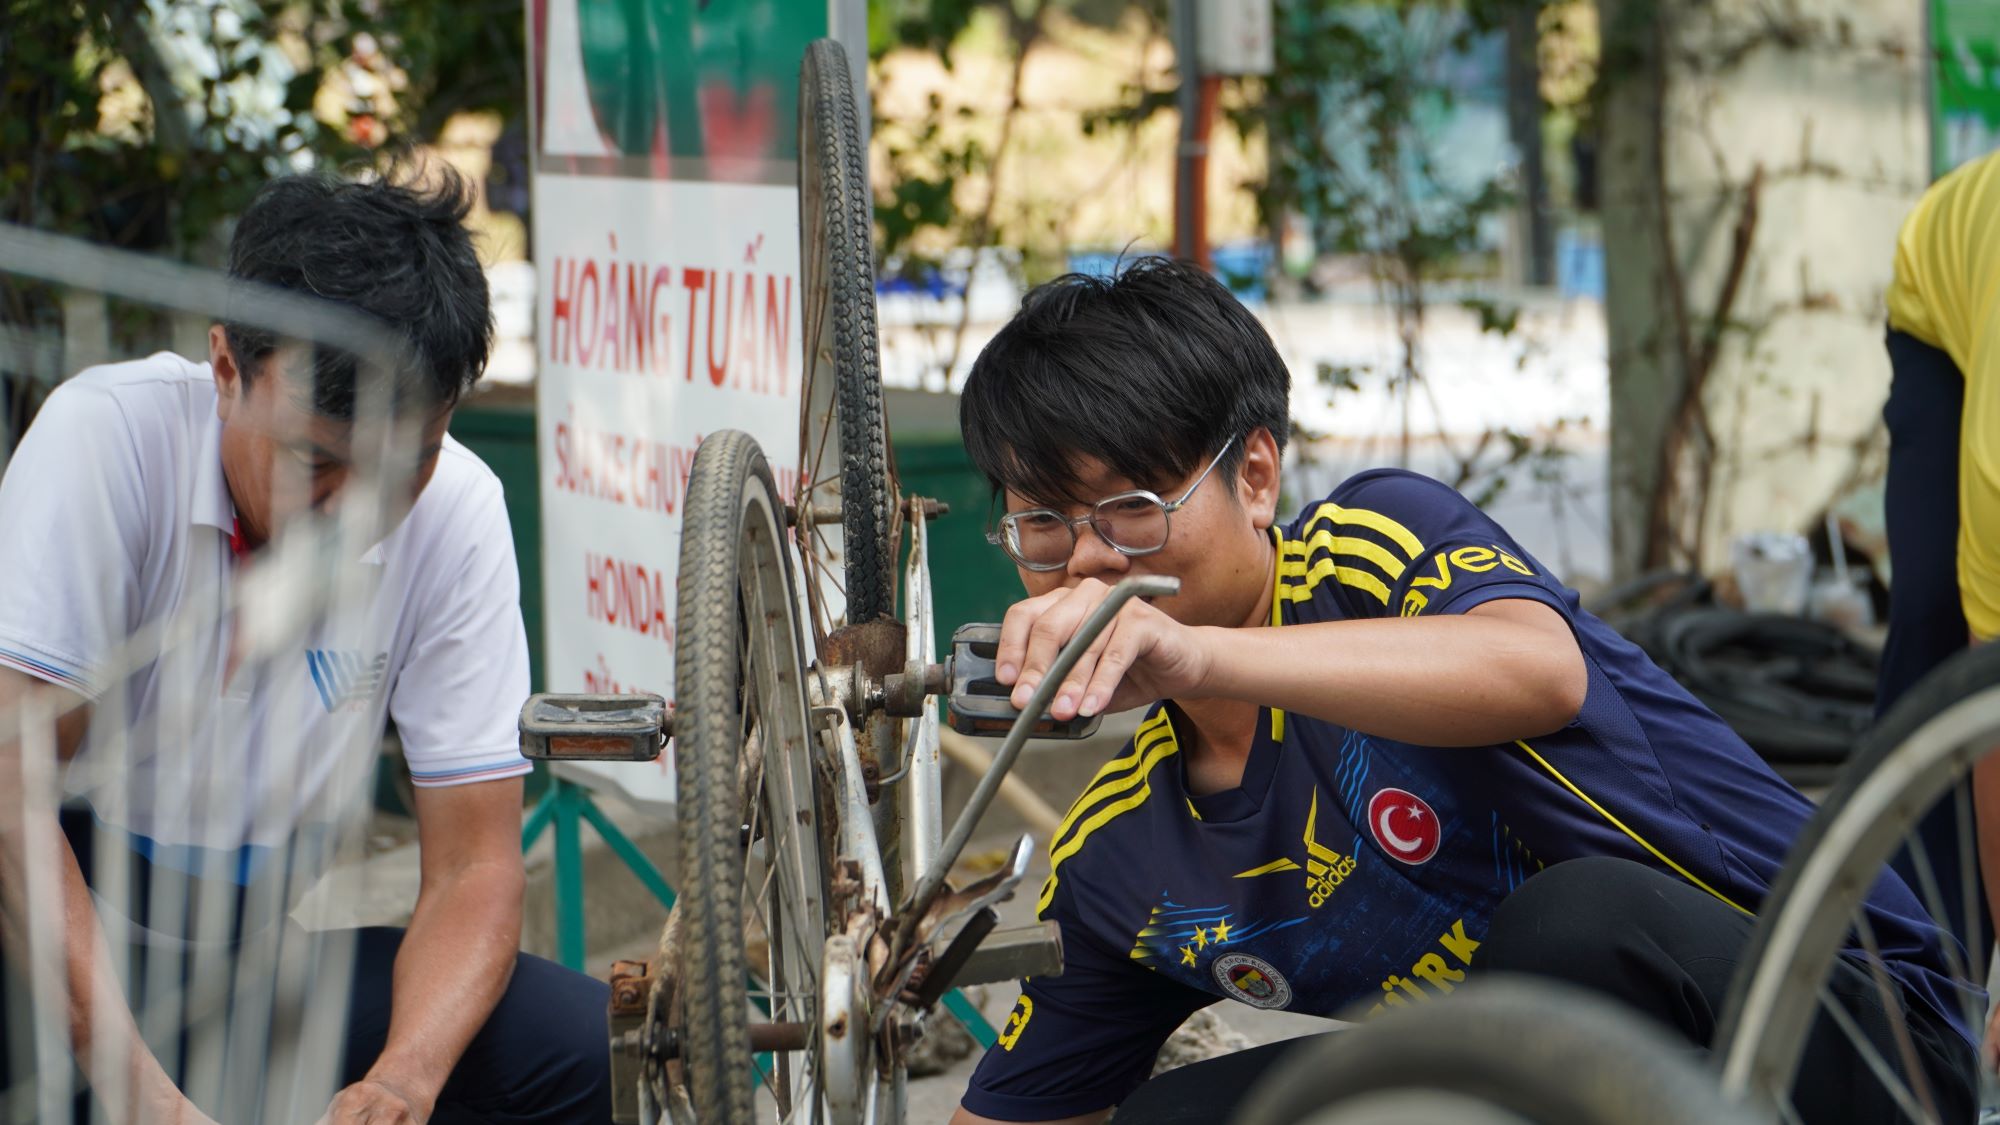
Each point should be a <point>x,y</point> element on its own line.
<point>116,527</point>
<point>1350,872</point>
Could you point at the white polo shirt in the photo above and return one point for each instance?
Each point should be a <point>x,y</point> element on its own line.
<point>115,523</point>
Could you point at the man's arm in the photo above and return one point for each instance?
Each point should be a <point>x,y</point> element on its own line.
<point>457,954</point>
<point>100,1022</point>
<point>1505,669</point>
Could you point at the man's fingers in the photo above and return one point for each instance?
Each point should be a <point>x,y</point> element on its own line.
<point>1072,698</point>
<point>1013,648</point>
<point>1051,631</point>
<point>1111,667</point>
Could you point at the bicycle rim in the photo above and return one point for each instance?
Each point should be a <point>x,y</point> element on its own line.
<point>754,893</point>
<point>1922,751</point>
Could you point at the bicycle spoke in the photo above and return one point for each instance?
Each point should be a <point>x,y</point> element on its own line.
<point>1927,883</point>
<point>1871,1058</point>
<point>1955,955</point>
<point>1892,1009</point>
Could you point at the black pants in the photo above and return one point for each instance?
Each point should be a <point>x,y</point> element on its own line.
<point>541,1056</point>
<point>1663,948</point>
<point>1926,618</point>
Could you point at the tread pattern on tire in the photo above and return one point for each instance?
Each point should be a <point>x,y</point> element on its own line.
<point>831,138</point>
<point>708,664</point>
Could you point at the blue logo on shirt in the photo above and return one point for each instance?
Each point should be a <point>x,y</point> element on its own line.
<point>347,679</point>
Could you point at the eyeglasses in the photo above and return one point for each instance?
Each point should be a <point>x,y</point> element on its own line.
<point>1133,523</point>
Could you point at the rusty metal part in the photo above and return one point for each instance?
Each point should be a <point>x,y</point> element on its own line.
<point>945,970</point>
<point>946,910</point>
<point>905,693</point>
<point>631,985</point>
<point>930,507</point>
<point>763,1037</point>
<point>875,645</point>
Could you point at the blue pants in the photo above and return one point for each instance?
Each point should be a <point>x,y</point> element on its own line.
<point>541,1057</point>
<point>1926,618</point>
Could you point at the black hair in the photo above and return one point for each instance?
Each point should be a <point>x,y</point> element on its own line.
<point>1150,371</point>
<point>395,248</point>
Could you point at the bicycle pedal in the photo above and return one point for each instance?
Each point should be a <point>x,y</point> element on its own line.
<point>979,703</point>
<point>602,728</point>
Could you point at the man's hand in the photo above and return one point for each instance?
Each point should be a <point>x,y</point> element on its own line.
<point>1143,655</point>
<point>373,1101</point>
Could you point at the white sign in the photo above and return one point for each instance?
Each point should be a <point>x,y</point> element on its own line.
<point>666,310</point>
<point>1234,36</point>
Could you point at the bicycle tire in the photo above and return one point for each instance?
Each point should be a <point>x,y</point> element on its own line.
<point>1901,768</point>
<point>841,418</point>
<point>745,767</point>
<point>1540,1051</point>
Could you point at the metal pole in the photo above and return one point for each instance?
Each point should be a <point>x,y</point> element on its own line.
<point>1187,101</point>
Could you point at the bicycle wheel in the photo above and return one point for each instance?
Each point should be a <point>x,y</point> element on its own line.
<point>1501,1049</point>
<point>1921,751</point>
<point>753,895</point>
<point>843,445</point>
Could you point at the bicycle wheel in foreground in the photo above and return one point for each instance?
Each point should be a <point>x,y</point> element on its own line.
<point>843,445</point>
<point>752,913</point>
<point>1499,1051</point>
<point>1922,751</point>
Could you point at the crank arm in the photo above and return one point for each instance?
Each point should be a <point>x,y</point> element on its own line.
<point>952,961</point>
<point>947,911</point>
<point>983,894</point>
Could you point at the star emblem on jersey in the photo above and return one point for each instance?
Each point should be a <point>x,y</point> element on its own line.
<point>1404,825</point>
<point>1252,980</point>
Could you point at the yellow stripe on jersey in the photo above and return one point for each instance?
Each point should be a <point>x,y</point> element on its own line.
<point>1273,866</point>
<point>1108,780</point>
<point>1277,622</point>
<point>1368,549</point>
<point>1162,749</point>
<point>1621,826</point>
<point>1373,521</point>
<point>1322,553</point>
<point>1311,577</point>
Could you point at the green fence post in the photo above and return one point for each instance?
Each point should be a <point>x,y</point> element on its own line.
<point>634,859</point>
<point>538,819</point>
<point>569,872</point>
<point>961,1008</point>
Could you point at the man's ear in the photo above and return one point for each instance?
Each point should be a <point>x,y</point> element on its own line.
<point>229,385</point>
<point>1257,477</point>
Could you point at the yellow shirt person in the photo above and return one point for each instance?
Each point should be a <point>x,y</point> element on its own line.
<point>1946,293</point>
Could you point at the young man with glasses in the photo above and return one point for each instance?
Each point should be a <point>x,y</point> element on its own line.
<point>1383,747</point>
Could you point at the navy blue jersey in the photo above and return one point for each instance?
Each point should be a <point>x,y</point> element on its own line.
<point>1353,869</point>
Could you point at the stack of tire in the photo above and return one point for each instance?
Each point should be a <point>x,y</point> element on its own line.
<point>1800,692</point>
